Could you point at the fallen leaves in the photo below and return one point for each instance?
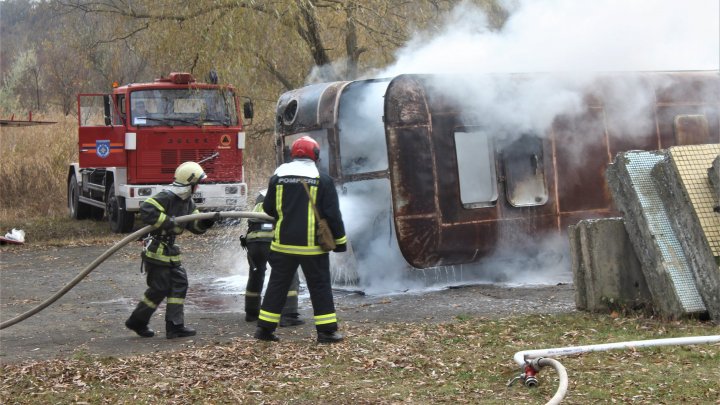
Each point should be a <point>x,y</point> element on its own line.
<point>464,361</point>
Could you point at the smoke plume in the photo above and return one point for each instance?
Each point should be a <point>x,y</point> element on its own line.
<point>537,66</point>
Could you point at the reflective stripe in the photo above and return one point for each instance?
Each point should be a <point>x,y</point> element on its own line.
<point>296,250</point>
<point>160,256</point>
<point>310,221</point>
<point>341,240</point>
<point>252,294</point>
<point>160,208</point>
<point>269,316</point>
<point>173,300</point>
<point>258,208</point>
<point>292,293</point>
<point>260,234</point>
<point>325,319</point>
<point>147,302</point>
<point>160,220</point>
<point>278,208</point>
<point>155,204</point>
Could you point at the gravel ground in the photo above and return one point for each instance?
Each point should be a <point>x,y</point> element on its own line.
<point>89,318</point>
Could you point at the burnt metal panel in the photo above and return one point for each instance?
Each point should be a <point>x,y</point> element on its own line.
<point>421,118</point>
<point>582,157</point>
<point>308,108</point>
<point>691,129</point>
<point>666,117</point>
<point>410,154</point>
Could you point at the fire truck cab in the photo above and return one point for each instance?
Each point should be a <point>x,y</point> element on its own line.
<point>131,141</point>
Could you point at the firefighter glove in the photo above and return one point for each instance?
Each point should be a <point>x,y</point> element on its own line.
<point>243,242</point>
<point>169,224</point>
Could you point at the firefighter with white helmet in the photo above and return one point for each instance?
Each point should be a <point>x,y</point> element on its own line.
<point>257,244</point>
<point>292,191</point>
<point>166,278</point>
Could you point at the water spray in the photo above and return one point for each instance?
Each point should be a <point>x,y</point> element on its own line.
<point>130,238</point>
<point>531,361</point>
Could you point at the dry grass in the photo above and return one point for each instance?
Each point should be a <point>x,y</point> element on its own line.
<point>34,163</point>
<point>34,168</point>
<point>467,360</point>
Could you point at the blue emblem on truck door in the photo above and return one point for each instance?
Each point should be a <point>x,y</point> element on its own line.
<point>102,148</point>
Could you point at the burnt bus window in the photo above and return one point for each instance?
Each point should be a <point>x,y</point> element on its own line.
<point>476,168</point>
<point>691,129</point>
<point>363,147</point>
<point>320,136</point>
<point>524,173</point>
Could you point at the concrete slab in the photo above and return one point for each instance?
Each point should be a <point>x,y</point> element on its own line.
<point>664,264</point>
<point>606,271</point>
<point>578,268</point>
<point>685,189</point>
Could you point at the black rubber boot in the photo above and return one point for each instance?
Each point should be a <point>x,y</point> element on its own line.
<point>265,334</point>
<point>329,337</point>
<point>173,331</point>
<point>141,330</point>
<point>291,320</point>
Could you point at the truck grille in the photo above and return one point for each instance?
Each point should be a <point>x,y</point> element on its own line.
<point>171,158</point>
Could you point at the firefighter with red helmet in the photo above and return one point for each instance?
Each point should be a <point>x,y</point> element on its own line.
<point>257,244</point>
<point>295,241</point>
<point>166,278</point>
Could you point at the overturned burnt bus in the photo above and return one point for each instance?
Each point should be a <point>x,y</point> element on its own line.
<point>447,170</point>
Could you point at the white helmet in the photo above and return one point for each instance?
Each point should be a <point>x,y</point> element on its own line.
<point>189,174</point>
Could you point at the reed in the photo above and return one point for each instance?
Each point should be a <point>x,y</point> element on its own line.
<point>34,167</point>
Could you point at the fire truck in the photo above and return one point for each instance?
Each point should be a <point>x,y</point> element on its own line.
<point>132,140</point>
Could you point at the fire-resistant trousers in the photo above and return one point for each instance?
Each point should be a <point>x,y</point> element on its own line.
<point>316,269</point>
<point>163,282</point>
<point>257,254</point>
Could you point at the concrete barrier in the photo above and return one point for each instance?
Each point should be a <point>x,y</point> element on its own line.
<point>664,263</point>
<point>606,272</point>
<point>689,199</point>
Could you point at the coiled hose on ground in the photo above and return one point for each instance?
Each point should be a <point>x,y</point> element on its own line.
<point>130,238</point>
<point>532,360</point>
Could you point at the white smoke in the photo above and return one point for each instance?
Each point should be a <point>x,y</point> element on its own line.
<point>558,48</point>
<point>571,36</point>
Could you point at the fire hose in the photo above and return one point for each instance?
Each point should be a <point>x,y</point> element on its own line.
<point>130,238</point>
<point>531,361</point>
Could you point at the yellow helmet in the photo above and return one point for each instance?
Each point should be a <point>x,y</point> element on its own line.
<point>188,174</point>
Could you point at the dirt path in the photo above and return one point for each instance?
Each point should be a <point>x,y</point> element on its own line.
<point>89,318</point>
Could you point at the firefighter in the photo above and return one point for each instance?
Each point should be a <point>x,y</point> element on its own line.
<point>166,278</point>
<point>257,244</point>
<point>294,243</point>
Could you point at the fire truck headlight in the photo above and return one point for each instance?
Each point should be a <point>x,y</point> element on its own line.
<point>231,202</point>
<point>145,191</point>
<point>231,189</point>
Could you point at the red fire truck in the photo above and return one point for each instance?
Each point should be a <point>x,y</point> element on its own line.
<point>132,140</point>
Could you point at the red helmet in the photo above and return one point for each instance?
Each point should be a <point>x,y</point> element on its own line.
<point>305,147</point>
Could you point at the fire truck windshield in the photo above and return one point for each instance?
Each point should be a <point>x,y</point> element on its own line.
<point>183,107</point>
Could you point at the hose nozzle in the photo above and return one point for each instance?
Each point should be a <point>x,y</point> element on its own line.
<point>528,375</point>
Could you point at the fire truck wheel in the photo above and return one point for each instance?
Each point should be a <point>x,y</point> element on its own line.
<point>77,209</point>
<point>121,221</point>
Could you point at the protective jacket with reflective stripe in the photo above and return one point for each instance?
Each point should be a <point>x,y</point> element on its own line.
<point>260,230</point>
<point>288,202</point>
<point>158,211</point>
